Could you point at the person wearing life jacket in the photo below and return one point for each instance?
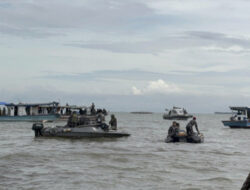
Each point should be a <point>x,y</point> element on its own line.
<point>92,109</point>
<point>113,122</point>
<point>190,125</point>
<point>73,120</point>
<point>173,131</point>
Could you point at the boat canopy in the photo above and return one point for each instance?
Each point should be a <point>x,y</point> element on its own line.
<point>240,108</point>
<point>174,107</point>
<point>49,104</point>
<point>74,107</point>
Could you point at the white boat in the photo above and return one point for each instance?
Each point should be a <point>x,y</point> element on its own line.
<point>176,113</point>
<point>28,112</point>
<point>33,112</point>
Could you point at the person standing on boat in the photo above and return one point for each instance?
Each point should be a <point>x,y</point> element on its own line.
<point>173,132</point>
<point>113,122</point>
<point>4,112</point>
<point>92,109</point>
<point>190,125</point>
<point>73,120</point>
<point>177,127</point>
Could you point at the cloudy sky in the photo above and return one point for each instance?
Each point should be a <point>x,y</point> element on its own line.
<point>126,55</point>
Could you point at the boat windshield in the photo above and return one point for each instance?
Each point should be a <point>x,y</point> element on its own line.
<point>241,112</point>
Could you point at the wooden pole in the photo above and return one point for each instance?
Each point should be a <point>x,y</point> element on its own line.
<point>246,185</point>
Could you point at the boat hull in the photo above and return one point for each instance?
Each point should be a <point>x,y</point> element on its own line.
<point>79,132</point>
<point>177,117</point>
<point>196,138</point>
<point>87,135</point>
<point>29,118</point>
<point>237,124</point>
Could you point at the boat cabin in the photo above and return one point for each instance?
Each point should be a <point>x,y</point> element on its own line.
<point>177,111</point>
<point>240,113</point>
<point>23,109</point>
<point>69,109</point>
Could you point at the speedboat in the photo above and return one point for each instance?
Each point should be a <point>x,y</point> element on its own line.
<point>240,118</point>
<point>176,113</point>
<point>87,126</point>
<point>183,137</point>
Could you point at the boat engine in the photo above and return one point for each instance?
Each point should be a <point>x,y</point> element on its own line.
<point>37,128</point>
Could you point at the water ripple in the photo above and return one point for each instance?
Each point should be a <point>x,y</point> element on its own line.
<point>142,161</point>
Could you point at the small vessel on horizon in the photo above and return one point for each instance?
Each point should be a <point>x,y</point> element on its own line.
<point>141,112</point>
<point>222,113</point>
<point>239,119</point>
<point>176,113</point>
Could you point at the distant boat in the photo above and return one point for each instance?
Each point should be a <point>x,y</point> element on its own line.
<point>67,110</point>
<point>177,114</point>
<point>141,112</point>
<point>219,112</point>
<point>28,112</point>
<point>34,112</point>
<point>239,119</point>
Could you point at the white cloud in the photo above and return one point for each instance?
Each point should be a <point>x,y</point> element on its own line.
<point>156,87</point>
<point>136,91</point>
<point>176,7</point>
<point>222,8</point>
<point>230,49</point>
<point>182,47</point>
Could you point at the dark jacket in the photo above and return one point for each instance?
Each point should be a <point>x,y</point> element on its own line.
<point>173,131</point>
<point>113,123</point>
<point>189,127</point>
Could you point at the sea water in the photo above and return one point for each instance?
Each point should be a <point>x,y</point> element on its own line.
<point>141,161</point>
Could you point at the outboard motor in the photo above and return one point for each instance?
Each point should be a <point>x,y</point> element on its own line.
<point>37,128</point>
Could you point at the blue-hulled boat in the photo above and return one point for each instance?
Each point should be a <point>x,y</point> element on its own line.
<point>30,118</point>
<point>239,119</point>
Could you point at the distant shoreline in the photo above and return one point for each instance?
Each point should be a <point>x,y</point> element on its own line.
<point>141,112</point>
<point>222,112</point>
